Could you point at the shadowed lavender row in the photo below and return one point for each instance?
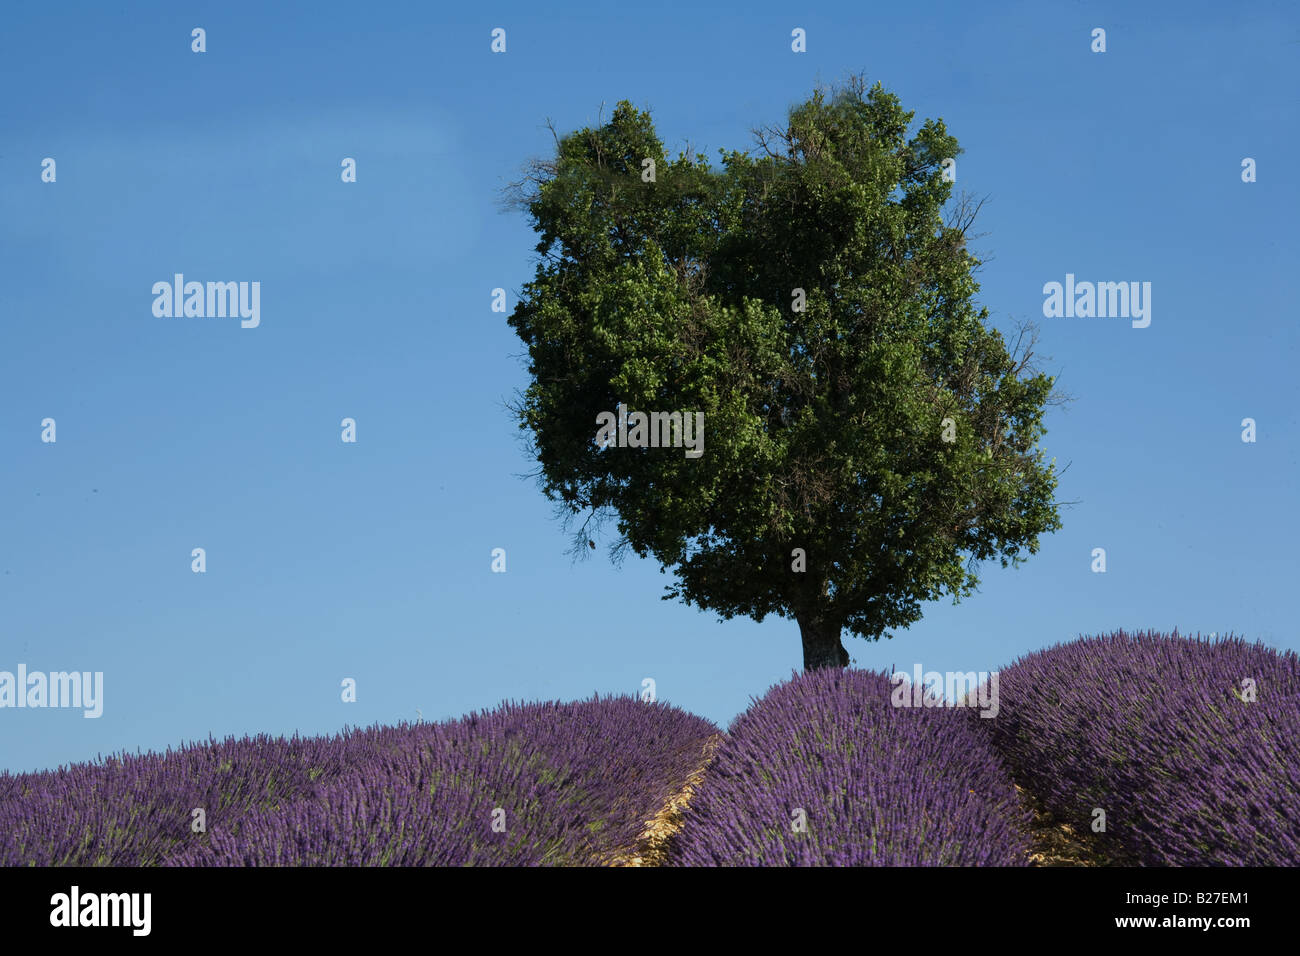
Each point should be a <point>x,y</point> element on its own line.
<point>1190,748</point>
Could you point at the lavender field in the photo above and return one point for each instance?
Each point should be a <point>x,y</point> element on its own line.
<point>824,771</point>
<point>1191,748</point>
<point>1186,751</point>
<point>530,784</point>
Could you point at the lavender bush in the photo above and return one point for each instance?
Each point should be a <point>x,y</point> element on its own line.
<point>1161,733</point>
<point>133,810</point>
<point>575,782</point>
<point>880,785</point>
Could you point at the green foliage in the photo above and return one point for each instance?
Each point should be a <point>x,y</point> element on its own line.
<point>824,427</point>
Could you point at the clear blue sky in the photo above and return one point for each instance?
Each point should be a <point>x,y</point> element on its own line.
<point>327,560</point>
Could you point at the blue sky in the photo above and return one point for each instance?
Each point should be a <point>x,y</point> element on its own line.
<point>372,560</point>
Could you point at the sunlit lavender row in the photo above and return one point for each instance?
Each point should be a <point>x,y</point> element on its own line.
<point>525,784</point>
<point>825,771</point>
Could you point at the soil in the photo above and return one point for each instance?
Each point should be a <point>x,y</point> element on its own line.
<point>1056,843</point>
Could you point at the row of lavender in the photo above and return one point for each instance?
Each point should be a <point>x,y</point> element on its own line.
<point>1161,750</point>
<point>825,771</point>
<point>534,784</point>
<point>1157,750</point>
<point>1188,752</point>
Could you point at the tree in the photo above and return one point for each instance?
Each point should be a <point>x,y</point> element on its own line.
<point>869,439</point>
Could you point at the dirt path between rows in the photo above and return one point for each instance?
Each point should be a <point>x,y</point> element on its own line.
<point>1056,843</point>
<point>653,844</point>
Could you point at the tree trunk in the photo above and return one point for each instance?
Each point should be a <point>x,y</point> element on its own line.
<point>821,644</point>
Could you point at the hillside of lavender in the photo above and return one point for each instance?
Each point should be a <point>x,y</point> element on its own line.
<point>523,785</point>
<point>1148,749</point>
<point>825,771</point>
<point>1189,748</point>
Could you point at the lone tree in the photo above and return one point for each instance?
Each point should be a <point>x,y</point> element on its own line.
<point>868,439</point>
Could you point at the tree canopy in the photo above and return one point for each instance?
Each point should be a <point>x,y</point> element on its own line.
<point>869,439</point>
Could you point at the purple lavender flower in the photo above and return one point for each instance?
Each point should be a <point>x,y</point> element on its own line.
<point>869,783</point>
<point>563,784</point>
<point>1191,748</point>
